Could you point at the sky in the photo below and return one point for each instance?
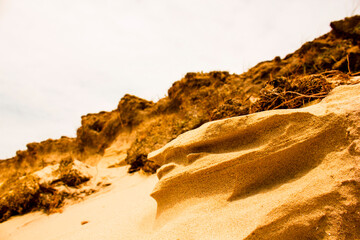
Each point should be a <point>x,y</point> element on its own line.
<point>60,60</point>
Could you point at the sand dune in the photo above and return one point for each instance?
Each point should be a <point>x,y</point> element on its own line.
<point>283,174</point>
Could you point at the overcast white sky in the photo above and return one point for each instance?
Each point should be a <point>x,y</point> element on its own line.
<point>60,59</point>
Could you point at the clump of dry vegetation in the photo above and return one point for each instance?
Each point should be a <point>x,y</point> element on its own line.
<point>142,163</point>
<point>230,108</point>
<point>286,93</point>
<point>69,175</point>
<point>23,194</point>
<point>26,194</point>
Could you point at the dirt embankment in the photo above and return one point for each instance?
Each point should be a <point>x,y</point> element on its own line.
<point>199,98</point>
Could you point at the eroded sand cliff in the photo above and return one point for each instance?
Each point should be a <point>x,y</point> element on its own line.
<point>253,173</point>
<point>281,174</point>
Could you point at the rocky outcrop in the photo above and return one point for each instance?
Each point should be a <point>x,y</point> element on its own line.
<point>281,174</point>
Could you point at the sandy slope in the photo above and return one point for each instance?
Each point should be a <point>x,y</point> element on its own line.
<point>284,174</point>
<point>123,211</point>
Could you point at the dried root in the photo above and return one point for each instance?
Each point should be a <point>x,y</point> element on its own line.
<point>287,93</point>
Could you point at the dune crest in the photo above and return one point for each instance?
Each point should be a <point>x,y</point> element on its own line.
<point>273,175</point>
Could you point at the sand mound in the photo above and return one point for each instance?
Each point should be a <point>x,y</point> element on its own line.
<point>283,174</point>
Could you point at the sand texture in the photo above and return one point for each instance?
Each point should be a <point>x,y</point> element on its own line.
<point>282,174</point>
<point>124,210</point>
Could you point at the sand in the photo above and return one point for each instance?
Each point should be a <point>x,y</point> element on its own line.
<point>283,174</point>
<point>124,210</point>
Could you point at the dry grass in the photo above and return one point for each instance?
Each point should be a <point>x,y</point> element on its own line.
<point>287,93</point>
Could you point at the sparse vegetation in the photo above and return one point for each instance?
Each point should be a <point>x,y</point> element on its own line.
<point>23,194</point>
<point>69,175</point>
<point>202,97</point>
<point>285,93</point>
<point>27,194</point>
<point>142,163</point>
